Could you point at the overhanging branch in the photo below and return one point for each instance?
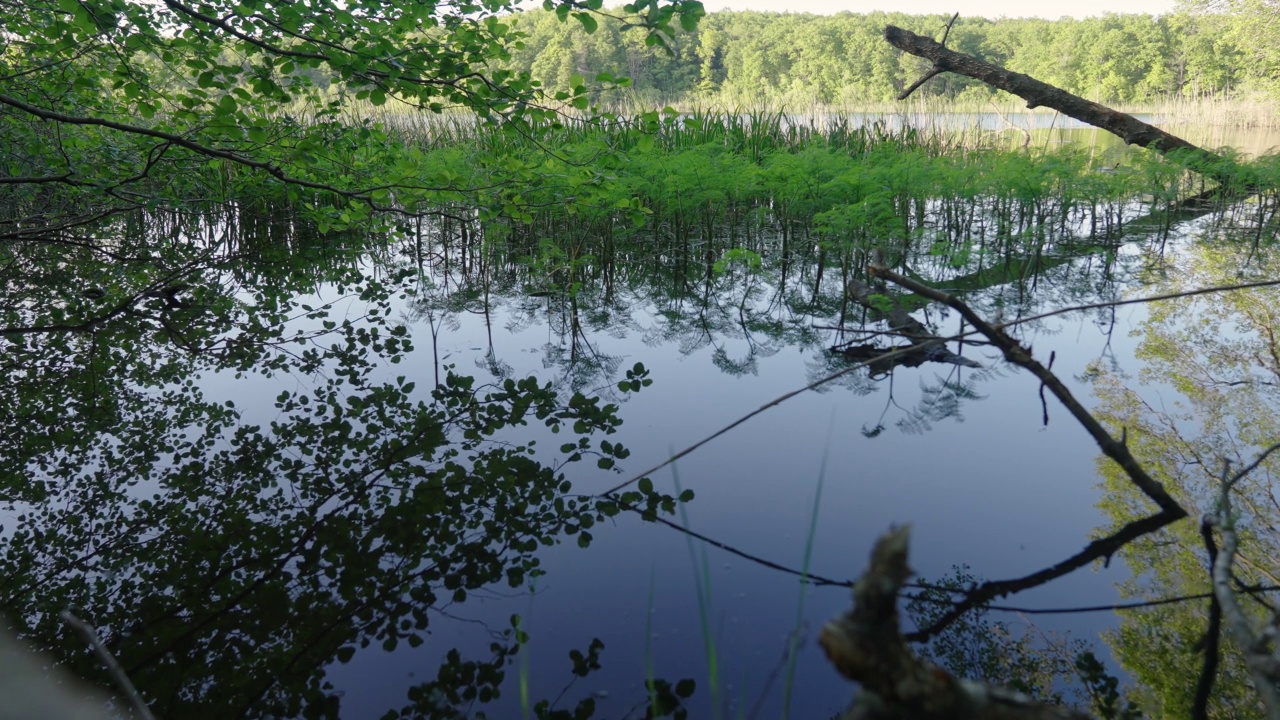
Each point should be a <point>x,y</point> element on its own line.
<point>1101,549</point>
<point>1041,94</point>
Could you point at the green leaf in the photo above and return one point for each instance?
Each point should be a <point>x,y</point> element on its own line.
<point>588,23</point>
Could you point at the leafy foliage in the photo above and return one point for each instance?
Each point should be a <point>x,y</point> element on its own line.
<point>992,651</point>
<point>741,59</point>
<point>120,103</point>
<point>229,555</point>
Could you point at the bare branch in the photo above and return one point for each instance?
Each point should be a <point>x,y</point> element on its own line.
<point>933,72</point>
<point>117,673</point>
<point>1253,465</point>
<point>1264,668</point>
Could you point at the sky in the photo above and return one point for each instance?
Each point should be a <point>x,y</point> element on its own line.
<point>966,8</point>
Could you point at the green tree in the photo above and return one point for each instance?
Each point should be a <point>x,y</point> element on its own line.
<point>1224,406</point>
<point>1253,26</point>
<point>117,103</point>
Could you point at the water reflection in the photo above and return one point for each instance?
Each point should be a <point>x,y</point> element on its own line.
<point>228,554</point>
<point>1207,392</point>
<point>263,458</point>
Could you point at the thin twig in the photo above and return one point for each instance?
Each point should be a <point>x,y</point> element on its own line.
<point>818,580</point>
<point>1143,300</point>
<point>776,401</point>
<point>1253,465</point>
<point>947,33</point>
<point>86,631</point>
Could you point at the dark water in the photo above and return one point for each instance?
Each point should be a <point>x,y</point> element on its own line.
<point>987,485</point>
<point>961,454</point>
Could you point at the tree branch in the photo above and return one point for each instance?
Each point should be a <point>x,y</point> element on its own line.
<point>1117,450</point>
<point>1128,128</point>
<point>1264,668</point>
<point>113,667</point>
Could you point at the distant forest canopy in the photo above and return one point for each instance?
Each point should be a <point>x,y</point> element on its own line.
<point>748,58</point>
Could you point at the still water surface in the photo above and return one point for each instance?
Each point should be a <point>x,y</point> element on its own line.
<point>989,486</point>
<point>961,454</point>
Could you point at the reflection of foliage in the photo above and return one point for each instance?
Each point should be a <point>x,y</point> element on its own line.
<point>227,560</point>
<point>463,683</point>
<point>729,366</point>
<point>1104,690</point>
<point>1219,353</point>
<point>1045,667</point>
<point>941,401</point>
<point>974,647</point>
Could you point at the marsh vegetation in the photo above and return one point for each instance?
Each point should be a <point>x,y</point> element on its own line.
<point>337,347</point>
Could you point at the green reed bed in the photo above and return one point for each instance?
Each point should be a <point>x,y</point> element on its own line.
<point>562,193</point>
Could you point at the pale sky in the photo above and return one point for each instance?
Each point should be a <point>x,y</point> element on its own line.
<point>966,8</point>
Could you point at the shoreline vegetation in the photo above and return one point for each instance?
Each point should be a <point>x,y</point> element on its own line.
<point>1200,68</point>
<point>1252,112</point>
<point>176,199</point>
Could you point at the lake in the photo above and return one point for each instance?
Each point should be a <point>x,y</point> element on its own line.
<point>241,417</point>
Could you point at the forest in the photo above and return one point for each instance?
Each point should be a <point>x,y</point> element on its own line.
<point>446,359</point>
<point>743,59</point>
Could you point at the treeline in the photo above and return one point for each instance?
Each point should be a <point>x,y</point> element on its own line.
<point>746,58</point>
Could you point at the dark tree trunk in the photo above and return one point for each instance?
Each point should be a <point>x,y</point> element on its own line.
<point>1128,128</point>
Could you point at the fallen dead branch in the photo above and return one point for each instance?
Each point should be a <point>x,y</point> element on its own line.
<point>1101,549</point>
<point>1041,94</point>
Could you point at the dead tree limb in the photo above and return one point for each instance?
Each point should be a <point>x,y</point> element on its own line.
<point>1100,549</point>
<point>865,645</point>
<point>1037,94</point>
<point>1261,656</point>
<point>926,346</point>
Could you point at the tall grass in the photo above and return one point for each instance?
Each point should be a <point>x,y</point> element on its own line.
<point>697,184</point>
<point>1215,111</point>
<point>793,641</point>
<point>702,588</point>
